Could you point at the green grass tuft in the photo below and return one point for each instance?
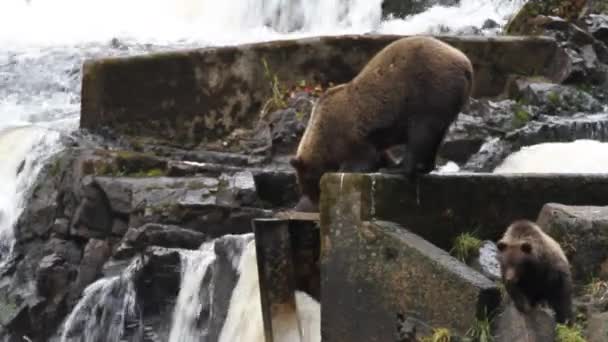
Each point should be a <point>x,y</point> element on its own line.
<point>481,331</point>
<point>439,335</point>
<point>466,246</point>
<point>565,333</point>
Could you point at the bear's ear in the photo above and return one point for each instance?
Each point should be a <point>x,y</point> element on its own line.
<point>526,248</point>
<point>501,246</point>
<point>296,163</point>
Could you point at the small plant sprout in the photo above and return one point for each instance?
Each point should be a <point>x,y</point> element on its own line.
<point>466,246</point>
<point>565,333</point>
<point>481,331</point>
<point>439,335</point>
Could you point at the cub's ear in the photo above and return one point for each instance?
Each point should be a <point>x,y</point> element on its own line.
<point>501,246</point>
<point>296,163</point>
<point>526,248</point>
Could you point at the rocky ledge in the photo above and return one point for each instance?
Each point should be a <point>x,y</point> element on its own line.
<point>189,146</point>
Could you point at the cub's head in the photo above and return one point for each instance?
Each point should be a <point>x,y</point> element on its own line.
<point>308,175</point>
<point>518,251</point>
<point>515,259</point>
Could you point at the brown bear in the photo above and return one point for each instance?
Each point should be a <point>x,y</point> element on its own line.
<point>535,270</point>
<point>409,93</point>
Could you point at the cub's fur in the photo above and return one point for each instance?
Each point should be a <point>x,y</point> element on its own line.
<point>409,93</point>
<point>535,270</point>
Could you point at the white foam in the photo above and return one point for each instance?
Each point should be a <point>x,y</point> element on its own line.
<point>244,321</point>
<point>467,13</point>
<point>581,156</point>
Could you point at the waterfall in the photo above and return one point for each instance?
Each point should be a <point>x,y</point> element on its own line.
<point>23,152</point>
<point>440,18</point>
<point>108,310</point>
<point>190,299</point>
<point>591,157</point>
<point>201,306</point>
<point>244,321</point>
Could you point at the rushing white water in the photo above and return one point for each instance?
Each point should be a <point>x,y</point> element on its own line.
<point>189,300</point>
<point>23,152</point>
<point>105,310</point>
<point>194,314</point>
<point>468,13</point>
<point>244,321</point>
<point>581,156</point>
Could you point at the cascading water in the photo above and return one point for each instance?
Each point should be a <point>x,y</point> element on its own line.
<point>189,301</point>
<point>591,157</point>
<point>244,321</point>
<point>107,310</point>
<point>195,317</point>
<point>43,44</point>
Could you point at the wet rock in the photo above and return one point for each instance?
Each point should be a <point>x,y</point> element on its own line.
<point>158,286</point>
<point>489,24</point>
<point>597,327</point>
<point>464,138</point>
<point>453,295</point>
<point>555,99</point>
<point>39,215</point>
<point>598,27</point>
<point>163,236</point>
<point>526,19</point>
<point>118,193</point>
<point>277,188</point>
<point>119,227</point>
<point>211,219</point>
<point>93,217</point>
<point>536,326</point>
<point>583,234</point>
<point>486,263</point>
<point>188,169</point>
<point>61,226</point>
<point>96,253</point>
<point>402,8</point>
<point>286,128</point>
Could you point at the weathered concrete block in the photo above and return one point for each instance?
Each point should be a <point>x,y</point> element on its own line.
<point>287,253</point>
<point>202,95</point>
<point>376,273</point>
<point>439,207</point>
<point>582,231</point>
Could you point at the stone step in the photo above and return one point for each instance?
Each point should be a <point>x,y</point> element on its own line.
<point>377,274</point>
<point>203,95</point>
<point>439,207</point>
<point>582,231</point>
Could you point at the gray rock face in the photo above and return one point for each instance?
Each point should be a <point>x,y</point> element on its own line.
<point>583,234</point>
<point>554,99</point>
<point>598,327</point>
<point>486,263</point>
<point>513,326</point>
<point>598,27</point>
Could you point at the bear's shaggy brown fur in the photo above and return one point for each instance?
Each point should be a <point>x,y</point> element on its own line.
<point>409,93</point>
<point>535,270</point>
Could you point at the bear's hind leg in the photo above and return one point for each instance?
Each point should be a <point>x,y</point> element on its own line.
<point>423,143</point>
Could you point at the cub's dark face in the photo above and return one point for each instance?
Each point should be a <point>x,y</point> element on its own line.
<point>516,260</point>
<point>308,180</point>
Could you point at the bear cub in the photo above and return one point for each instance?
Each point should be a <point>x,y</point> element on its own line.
<point>535,270</point>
